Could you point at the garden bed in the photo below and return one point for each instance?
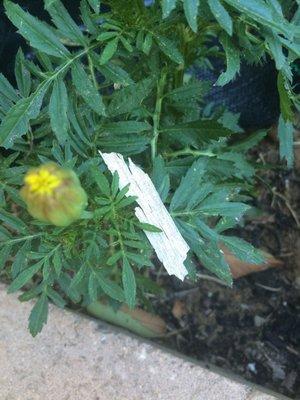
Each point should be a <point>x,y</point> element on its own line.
<point>253,329</point>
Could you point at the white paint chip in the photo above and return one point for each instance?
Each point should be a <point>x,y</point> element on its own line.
<point>169,245</point>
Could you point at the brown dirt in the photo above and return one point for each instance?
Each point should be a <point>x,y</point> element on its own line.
<point>253,329</point>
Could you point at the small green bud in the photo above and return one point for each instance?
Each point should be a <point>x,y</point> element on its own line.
<point>53,194</point>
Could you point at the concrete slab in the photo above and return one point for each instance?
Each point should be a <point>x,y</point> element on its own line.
<point>78,358</point>
<point>256,395</point>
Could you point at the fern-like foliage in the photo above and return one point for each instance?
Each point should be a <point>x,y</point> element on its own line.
<point>119,81</point>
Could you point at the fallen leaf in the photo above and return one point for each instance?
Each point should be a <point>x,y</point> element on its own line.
<point>151,321</point>
<point>240,268</point>
<point>179,309</point>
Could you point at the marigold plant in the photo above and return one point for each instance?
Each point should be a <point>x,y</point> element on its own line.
<point>118,77</point>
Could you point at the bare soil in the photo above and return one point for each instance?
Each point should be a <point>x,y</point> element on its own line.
<point>253,329</point>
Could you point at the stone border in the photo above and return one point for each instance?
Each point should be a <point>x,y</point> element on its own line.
<point>79,358</point>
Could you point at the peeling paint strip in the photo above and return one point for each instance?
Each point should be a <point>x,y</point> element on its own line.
<point>169,245</point>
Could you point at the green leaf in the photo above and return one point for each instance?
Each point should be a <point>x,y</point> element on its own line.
<point>86,89</point>
<point>109,287</point>
<point>191,267</point>
<point>139,39</point>
<point>4,255</point>
<point>87,17</point>
<point>129,98</point>
<point>232,59</point>
<point>129,283</point>
<point>168,47</point>
<point>276,6</point>
<point>160,178</point>
<point>275,47</point>
<point>15,123</point>
<point>136,244</point>
<point>109,51</point>
<point>260,12</point>
<point>93,287</point>
<point>55,297</point>
<point>230,120</point>
<point>249,142</point>
<point>4,234</point>
<point>196,133</point>
<point>64,282</point>
<point>124,144</point>
<point>7,90</point>
<point>148,227</point>
<point>126,127</point>
<point>22,74</point>
<point>31,294</point>
<point>106,36</point>
<point>65,24</point>
<point>95,4</point>
<point>226,209</point>
<point>140,259</point>
<point>12,221</point>
<point>191,12</point>
<point>20,261</point>
<point>25,277</point>
<point>101,181</point>
<point>78,276</point>
<point>121,194</point>
<point>58,108</point>
<point>115,184</point>
<point>189,92</point>
<point>5,106</point>
<point>39,315</point>
<point>189,185</point>
<point>57,262</point>
<point>125,202</point>
<point>286,105</point>
<point>221,15</point>
<point>36,32</point>
<point>112,260</point>
<point>208,252</point>
<point>242,167</point>
<point>147,44</point>
<point>115,73</point>
<point>126,44</point>
<point>286,139</point>
<point>202,191</point>
<point>212,258</point>
<point>167,7</point>
<point>243,250</point>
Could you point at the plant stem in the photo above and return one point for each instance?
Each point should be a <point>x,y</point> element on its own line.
<point>157,112</point>
<point>92,71</point>
<point>190,152</point>
<point>13,241</point>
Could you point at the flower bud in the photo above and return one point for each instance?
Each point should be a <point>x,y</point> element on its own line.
<point>53,194</point>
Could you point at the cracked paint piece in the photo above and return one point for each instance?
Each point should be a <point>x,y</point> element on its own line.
<point>169,245</point>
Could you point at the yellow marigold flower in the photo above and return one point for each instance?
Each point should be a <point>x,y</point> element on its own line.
<point>53,194</point>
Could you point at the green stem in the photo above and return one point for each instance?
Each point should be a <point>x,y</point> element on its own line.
<point>92,71</point>
<point>157,112</point>
<point>127,319</point>
<point>117,226</point>
<point>62,68</point>
<point>13,241</point>
<point>71,60</point>
<point>190,152</point>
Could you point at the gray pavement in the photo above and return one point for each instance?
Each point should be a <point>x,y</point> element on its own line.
<point>78,358</point>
